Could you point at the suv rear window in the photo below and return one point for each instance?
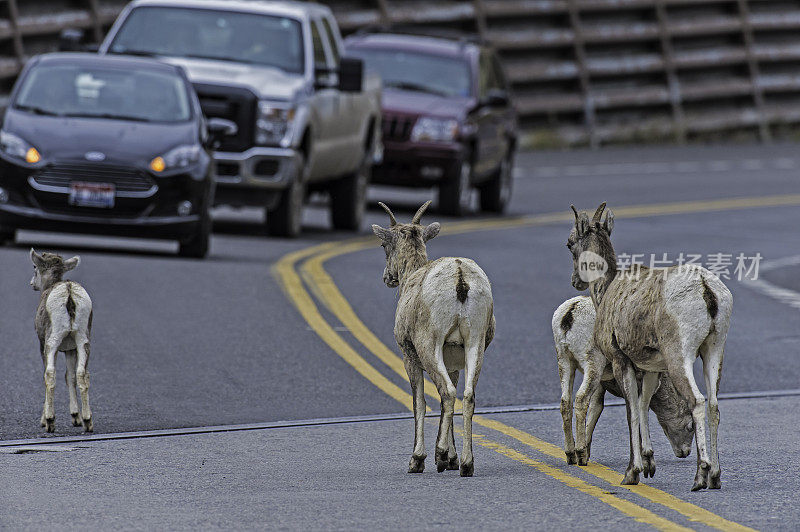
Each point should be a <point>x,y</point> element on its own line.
<point>419,72</point>
<point>212,34</point>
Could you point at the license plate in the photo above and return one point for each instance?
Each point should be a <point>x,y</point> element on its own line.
<point>99,195</point>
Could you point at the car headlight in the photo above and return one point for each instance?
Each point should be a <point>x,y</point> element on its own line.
<point>177,158</point>
<point>429,129</point>
<point>14,146</point>
<point>273,123</point>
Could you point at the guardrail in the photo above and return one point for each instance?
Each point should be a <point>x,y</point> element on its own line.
<point>584,71</point>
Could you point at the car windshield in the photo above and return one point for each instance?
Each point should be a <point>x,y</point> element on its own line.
<point>419,72</point>
<point>208,34</point>
<point>88,91</point>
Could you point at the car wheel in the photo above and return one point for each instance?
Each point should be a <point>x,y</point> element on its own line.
<point>197,246</point>
<point>455,194</point>
<point>286,219</point>
<point>7,236</point>
<point>495,195</point>
<point>348,198</point>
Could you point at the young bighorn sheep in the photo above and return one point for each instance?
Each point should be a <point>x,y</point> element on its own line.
<point>63,323</point>
<point>659,321</point>
<point>573,328</point>
<point>443,324</point>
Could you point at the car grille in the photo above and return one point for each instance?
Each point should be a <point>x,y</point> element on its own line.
<point>129,182</point>
<point>397,128</point>
<point>231,103</point>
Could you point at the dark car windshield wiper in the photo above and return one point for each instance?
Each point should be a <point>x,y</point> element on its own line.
<point>109,116</point>
<point>37,110</point>
<point>141,53</point>
<point>416,87</point>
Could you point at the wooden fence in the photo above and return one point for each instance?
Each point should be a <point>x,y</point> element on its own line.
<point>584,72</point>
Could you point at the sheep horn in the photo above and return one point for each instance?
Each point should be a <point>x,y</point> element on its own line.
<point>599,213</point>
<point>575,211</point>
<point>389,212</point>
<point>417,217</point>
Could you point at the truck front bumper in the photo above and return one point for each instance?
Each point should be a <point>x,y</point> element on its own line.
<point>254,176</point>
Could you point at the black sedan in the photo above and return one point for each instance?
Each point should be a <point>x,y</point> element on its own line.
<point>107,145</point>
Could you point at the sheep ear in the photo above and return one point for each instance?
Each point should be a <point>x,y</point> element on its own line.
<point>582,224</point>
<point>430,231</point>
<point>71,264</point>
<point>36,259</point>
<point>608,224</point>
<point>381,232</point>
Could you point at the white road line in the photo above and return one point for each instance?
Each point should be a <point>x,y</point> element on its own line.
<point>784,295</point>
<point>659,167</point>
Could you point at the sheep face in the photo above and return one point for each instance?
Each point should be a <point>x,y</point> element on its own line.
<point>49,268</point>
<point>590,245</point>
<point>675,417</point>
<point>404,245</point>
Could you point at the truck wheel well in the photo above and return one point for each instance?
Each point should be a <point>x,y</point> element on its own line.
<point>305,144</point>
<point>370,134</point>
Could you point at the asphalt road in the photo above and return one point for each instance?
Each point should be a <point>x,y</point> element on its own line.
<point>182,343</point>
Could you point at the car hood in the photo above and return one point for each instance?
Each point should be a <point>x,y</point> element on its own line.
<point>420,103</point>
<point>266,82</point>
<point>120,141</point>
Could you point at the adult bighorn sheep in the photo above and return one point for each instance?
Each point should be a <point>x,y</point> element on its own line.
<point>573,329</point>
<point>444,322</point>
<point>63,323</point>
<point>658,320</point>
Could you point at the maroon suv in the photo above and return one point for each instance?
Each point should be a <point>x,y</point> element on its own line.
<point>448,121</point>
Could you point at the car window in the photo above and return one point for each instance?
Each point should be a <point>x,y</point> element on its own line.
<point>442,75</point>
<point>274,41</point>
<point>332,40</point>
<point>94,91</point>
<point>320,59</point>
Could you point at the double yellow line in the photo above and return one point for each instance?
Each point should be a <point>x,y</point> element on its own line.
<point>326,291</point>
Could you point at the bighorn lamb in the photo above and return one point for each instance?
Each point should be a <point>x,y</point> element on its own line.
<point>63,323</point>
<point>573,327</point>
<point>657,320</point>
<point>443,324</point>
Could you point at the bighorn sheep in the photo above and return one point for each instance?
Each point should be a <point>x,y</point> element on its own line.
<point>573,328</point>
<point>63,323</point>
<point>443,324</point>
<point>658,320</point>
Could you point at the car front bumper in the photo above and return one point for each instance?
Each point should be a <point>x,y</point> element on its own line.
<point>417,165</point>
<point>250,176</point>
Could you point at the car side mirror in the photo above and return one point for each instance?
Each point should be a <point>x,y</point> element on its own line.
<point>219,128</point>
<point>351,74</point>
<point>495,98</point>
<point>74,40</point>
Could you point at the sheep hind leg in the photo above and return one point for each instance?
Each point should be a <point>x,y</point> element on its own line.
<point>447,393</point>
<point>82,377</point>
<point>414,371</point>
<point>589,385</point>
<point>452,454</point>
<point>72,383</point>
<point>595,409</point>
<point>626,378</point>
<point>649,386</point>
<point>566,373</point>
<point>48,420</point>
<point>712,370</point>
<point>473,349</point>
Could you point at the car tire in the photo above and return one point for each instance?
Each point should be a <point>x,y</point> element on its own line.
<point>286,218</point>
<point>455,193</point>
<point>349,197</point>
<point>7,236</point>
<point>495,195</point>
<point>197,246</point>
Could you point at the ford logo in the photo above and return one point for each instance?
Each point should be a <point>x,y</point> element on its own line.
<point>95,156</point>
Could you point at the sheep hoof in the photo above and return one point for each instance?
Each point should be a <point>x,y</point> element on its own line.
<point>76,419</point>
<point>441,460</point>
<point>452,464</point>
<point>88,426</point>
<point>572,457</point>
<point>714,482</point>
<point>467,470</point>
<point>583,457</point>
<point>50,424</point>
<point>701,477</point>
<point>416,464</point>
<point>649,465</point>
<point>631,478</point>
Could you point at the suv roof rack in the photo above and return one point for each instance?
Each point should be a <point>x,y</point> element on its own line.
<point>424,31</point>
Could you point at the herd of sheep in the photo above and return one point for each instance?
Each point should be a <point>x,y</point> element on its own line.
<point>637,336</point>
